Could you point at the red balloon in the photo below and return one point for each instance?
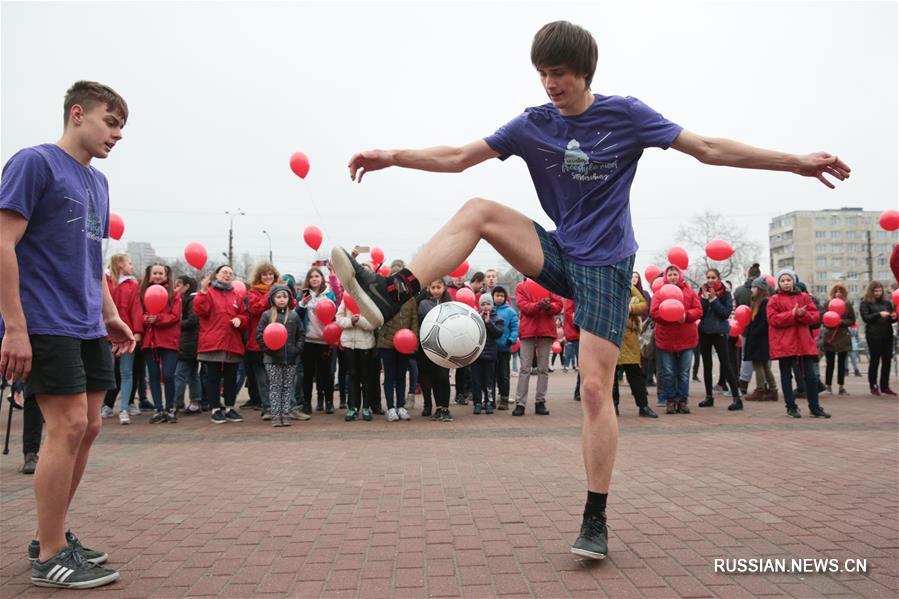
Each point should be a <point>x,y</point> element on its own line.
<point>384,271</point>
<point>837,305</point>
<point>889,220</point>
<point>116,226</point>
<point>195,254</point>
<point>299,164</point>
<point>274,335</point>
<point>651,273</point>
<point>405,341</point>
<point>515,347</point>
<point>325,311</point>
<point>377,256</point>
<point>671,310</point>
<point>466,296</point>
<point>460,270</point>
<point>350,303</point>
<point>735,329</point>
<point>743,314</point>
<point>312,235</point>
<point>239,287</point>
<point>156,298</point>
<point>657,284</point>
<point>718,249</point>
<point>557,347</point>
<point>831,320</point>
<point>536,291</point>
<point>669,291</point>
<point>331,333</point>
<point>896,299</point>
<point>678,257</point>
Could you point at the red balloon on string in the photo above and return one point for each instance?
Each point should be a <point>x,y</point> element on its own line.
<point>831,320</point>
<point>377,256</point>
<point>651,273</point>
<point>405,341</point>
<point>299,164</point>
<point>889,220</point>
<point>331,333</point>
<point>669,291</point>
<point>274,335</point>
<point>743,315</point>
<point>312,235</point>
<point>239,287</point>
<point>155,299</point>
<point>325,311</point>
<point>384,271</point>
<point>350,303</point>
<point>557,347</point>
<point>535,290</point>
<point>718,249</point>
<point>837,305</point>
<point>460,270</point>
<point>195,254</point>
<point>466,296</point>
<point>657,284</point>
<point>671,310</point>
<point>116,226</point>
<point>515,347</point>
<point>735,329</point>
<point>678,256</point>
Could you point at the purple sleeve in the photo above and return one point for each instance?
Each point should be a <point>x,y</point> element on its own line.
<point>651,128</point>
<point>505,140</point>
<point>24,178</point>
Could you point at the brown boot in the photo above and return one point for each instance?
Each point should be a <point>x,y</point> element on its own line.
<point>682,408</point>
<point>671,408</point>
<point>772,395</point>
<point>503,403</point>
<point>757,395</point>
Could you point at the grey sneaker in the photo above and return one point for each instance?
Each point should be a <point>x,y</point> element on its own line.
<point>593,542</point>
<point>91,555</point>
<point>371,291</point>
<point>69,570</point>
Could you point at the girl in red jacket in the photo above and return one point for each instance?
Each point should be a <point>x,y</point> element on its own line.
<point>675,342</point>
<point>125,294</point>
<point>536,331</point>
<point>790,313</point>
<point>162,334</point>
<point>223,315</point>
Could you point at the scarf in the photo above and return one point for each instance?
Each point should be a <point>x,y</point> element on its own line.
<point>222,286</point>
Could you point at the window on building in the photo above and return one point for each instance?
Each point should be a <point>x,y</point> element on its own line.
<point>820,234</point>
<point>787,249</point>
<point>836,248</point>
<point>820,288</point>
<point>851,261</point>
<point>837,261</point>
<point>835,220</point>
<point>853,289</point>
<point>836,234</point>
<point>850,234</point>
<point>881,261</point>
<point>820,261</point>
<point>787,222</point>
<point>820,221</point>
<point>821,274</point>
<point>821,247</point>
<point>850,221</point>
<point>881,235</point>
<point>852,275</point>
<point>852,247</point>
<point>836,276</point>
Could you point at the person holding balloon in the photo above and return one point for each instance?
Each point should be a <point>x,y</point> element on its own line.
<point>223,316</point>
<point>714,329</point>
<point>264,276</point>
<point>280,335</point>
<point>879,315</point>
<point>162,333</point>
<point>837,340</point>
<point>756,348</point>
<point>316,356</point>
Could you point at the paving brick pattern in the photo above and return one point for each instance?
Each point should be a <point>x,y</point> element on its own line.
<point>481,507</point>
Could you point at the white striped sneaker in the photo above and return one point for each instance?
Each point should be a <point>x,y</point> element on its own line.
<point>69,570</point>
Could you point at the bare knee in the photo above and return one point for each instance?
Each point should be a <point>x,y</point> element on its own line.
<point>69,430</point>
<point>593,395</point>
<point>478,210</point>
<point>92,430</point>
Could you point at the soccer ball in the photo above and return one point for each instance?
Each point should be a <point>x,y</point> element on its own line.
<point>453,335</point>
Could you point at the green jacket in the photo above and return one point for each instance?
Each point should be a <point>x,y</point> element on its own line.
<point>406,318</point>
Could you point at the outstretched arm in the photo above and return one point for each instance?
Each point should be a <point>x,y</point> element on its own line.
<point>439,159</point>
<point>726,152</point>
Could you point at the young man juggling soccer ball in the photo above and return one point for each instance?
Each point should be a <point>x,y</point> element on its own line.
<point>582,151</point>
<point>58,318</point>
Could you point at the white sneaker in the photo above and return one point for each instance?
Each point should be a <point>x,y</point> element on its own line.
<point>124,418</point>
<point>403,414</point>
<point>106,412</point>
<point>134,409</point>
<point>410,400</point>
<point>391,415</point>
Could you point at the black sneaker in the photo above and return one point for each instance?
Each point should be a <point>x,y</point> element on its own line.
<point>438,414</point>
<point>426,412</point>
<point>143,404</point>
<point>369,289</point>
<point>91,555</point>
<point>217,417</point>
<point>540,409</point>
<point>446,416</point>
<point>593,542</point>
<point>171,417</point>
<point>69,570</point>
<point>819,412</point>
<point>518,411</point>
<point>231,415</point>
<point>708,402</point>
<point>794,412</point>
<point>647,412</point>
<point>250,405</point>
<point>157,418</point>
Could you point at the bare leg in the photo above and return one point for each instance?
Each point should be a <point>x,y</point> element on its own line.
<point>599,434</point>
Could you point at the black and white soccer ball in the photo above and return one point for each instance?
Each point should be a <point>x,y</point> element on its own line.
<point>453,335</point>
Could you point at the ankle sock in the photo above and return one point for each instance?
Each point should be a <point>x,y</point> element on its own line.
<point>596,505</point>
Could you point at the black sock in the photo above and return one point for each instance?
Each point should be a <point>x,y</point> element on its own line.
<point>404,286</point>
<point>596,505</point>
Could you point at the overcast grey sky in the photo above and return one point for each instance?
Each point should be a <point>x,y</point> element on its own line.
<point>222,93</point>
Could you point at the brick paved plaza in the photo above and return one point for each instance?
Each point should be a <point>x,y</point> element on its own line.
<point>483,506</point>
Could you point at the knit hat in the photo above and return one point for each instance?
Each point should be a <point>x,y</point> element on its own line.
<point>486,298</point>
<point>761,283</point>
<point>786,271</point>
<point>275,289</point>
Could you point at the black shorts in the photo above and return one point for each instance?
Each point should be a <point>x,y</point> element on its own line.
<point>68,366</point>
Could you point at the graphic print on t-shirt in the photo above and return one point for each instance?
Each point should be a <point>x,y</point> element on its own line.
<point>578,164</point>
<point>93,223</point>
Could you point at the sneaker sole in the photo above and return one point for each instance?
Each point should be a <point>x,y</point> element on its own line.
<point>218,421</point>
<point>95,560</point>
<point>588,554</point>
<point>346,274</point>
<point>87,584</point>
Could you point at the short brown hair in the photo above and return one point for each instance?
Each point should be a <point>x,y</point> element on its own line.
<point>88,94</point>
<point>563,43</point>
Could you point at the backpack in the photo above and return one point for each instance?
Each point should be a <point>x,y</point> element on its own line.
<point>648,340</point>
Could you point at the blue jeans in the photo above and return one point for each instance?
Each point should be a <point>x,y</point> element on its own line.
<point>674,372</point>
<point>186,377</point>
<point>413,374</point>
<point>570,355</point>
<point>161,371</point>
<point>395,365</point>
<point>126,370</point>
<point>804,366</point>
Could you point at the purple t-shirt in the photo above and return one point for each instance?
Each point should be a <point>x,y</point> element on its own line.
<point>583,167</point>
<point>60,255</point>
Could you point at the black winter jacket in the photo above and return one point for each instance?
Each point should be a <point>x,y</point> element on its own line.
<point>190,329</point>
<point>876,326</point>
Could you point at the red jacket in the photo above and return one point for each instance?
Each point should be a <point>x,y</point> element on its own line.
<point>165,333</point>
<point>572,331</point>
<point>126,297</point>
<point>678,336</point>
<point>535,321</point>
<point>216,309</point>
<point>257,298</point>
<point>789,336</point>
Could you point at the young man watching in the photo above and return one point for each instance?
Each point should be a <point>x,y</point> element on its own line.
<point>582,151</point>
<point>56,314</point>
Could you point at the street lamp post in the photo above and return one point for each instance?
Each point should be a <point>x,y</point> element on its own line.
<point>270,259</point>
<point>237,212</point>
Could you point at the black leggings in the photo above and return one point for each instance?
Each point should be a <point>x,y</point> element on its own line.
<point>317,369</point>
<point>434,381</point>
<point>718,341</point>
<point>635,379</point>
<point>880,352</point>
<point>221,375</point>
<point>841,369</point>
<point>357,362</point>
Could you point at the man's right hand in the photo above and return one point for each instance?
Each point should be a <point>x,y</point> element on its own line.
<point>15,356</point>
<point>372,160</point>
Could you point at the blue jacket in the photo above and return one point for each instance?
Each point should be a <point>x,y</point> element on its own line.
<point>715,314</point>
<point>510,329</point>
<point>495,328</point>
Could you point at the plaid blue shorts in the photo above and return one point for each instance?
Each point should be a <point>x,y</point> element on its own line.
<point>601,294</point>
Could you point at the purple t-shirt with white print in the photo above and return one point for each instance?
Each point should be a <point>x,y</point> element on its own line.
<point>583,166</point>
<point>60,255</point>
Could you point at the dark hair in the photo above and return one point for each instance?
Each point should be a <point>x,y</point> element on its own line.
<point>217,270</point>
<point>187,281</point>
<point>714,270</point>
<point>323,287</point>
<point>869,292</point>
<point>754,271</point>
<point>477,277</point>
<point>88,94</point>
<point>563,43</point>
<point>639,284</point>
